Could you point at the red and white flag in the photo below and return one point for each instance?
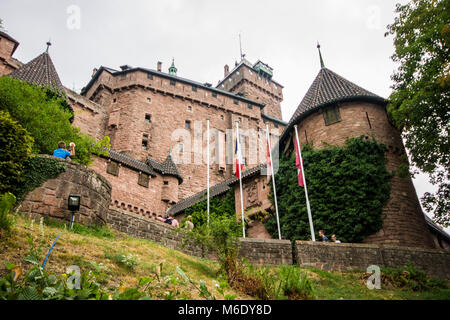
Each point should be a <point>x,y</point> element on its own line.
<point>269,163</point>
<point>298,164</point>
<point>238,153</point>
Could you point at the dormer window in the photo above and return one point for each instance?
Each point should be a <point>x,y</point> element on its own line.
<point>331,115</point>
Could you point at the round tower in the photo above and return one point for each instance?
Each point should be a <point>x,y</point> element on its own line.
<point>335,109</point>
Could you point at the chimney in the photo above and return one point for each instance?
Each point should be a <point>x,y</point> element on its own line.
<point>226,70</point>
<point>94,71</point>
<point>159,66</point>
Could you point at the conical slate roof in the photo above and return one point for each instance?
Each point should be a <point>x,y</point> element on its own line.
<point>40,71</point>
<point>329,87</point>
<point>170,168</point>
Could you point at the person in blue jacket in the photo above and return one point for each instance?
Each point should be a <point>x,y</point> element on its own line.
<point>62,153</point>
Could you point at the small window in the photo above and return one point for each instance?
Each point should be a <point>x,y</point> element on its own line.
<point>194,88</point>
<point>148,118</point>
<point>222,117</point>
<point>149,76</point>
<point>149,100</point>
<point>172,82</point>
<point>166,183</point>
<point>189,108</point>
<point>143,180</point>
<point>114,100</point>
<point>181,147</point>
<point>187,124</point>
<point>250,106</point>
<point>276,125</point>
<point>145,142</point>
<point>112,168</point>
<point>331,115</point>
<point>250,71</point>
<point>214,94</point>
<point>236,101</point>
<point>123,76</point>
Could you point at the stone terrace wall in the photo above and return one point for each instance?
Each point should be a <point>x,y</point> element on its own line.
<point>352,256</point>
<point>266,251</point>
<point>51,198</point>
<point>151,229</point>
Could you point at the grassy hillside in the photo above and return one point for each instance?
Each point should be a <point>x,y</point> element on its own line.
<point>117,262</point>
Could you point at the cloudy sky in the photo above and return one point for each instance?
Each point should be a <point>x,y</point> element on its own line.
<point>203,35</point>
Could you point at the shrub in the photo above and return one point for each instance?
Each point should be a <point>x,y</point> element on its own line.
<point>348,187</point>
<point>15,149</point>
<point>7,201</point>
<point>46,117</point>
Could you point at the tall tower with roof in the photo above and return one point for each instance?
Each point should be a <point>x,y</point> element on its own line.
<point>334,109</point>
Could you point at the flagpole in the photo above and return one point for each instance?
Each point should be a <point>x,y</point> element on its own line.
<point>207,170</point>
<point>240,178</point>
<point>273,181</point>
<point>313,237</point>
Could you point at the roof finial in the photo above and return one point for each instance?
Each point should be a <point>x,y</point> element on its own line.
<point>322,65</point>
<point>48,45</point>
<point>173,69</point>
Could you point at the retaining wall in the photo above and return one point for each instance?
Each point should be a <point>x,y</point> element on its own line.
<point>355,256</point>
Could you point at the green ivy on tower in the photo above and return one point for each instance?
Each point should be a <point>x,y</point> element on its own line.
<point>348,187</point>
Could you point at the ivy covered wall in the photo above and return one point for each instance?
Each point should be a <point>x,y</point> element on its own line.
<point>348,187</point>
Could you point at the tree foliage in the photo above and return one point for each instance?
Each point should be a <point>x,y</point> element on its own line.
<point>46,117</point>
<point>419,104</point>
<point>15,149</point>
<point>347,187</point>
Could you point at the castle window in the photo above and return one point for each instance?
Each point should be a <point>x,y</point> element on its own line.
<point>149,76</point>
<point>180,147</point>
<point>214,94</point>
<point>222,117</point>
<point>236,101</point>
<point>148,118</point>
<point>331,115</point>
<point>112,168</point>
<point>166,183</point>
<point>172,82</point>
<point>123,76</point>
<point>144,142</point>
<point>149,100</point>
<point>187,124</point>
<point>250,106</point>
<point>114,100</point>
<point>194,88</point>
<point>143,179</point>
<point>189,108</point>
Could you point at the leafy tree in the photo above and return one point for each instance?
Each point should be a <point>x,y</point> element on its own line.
<point>421,97</point>
<point>15,149</point>
<point>46,117</point>
<point>347,187</point>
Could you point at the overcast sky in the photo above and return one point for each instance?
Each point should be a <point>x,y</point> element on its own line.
<point>203,35</point>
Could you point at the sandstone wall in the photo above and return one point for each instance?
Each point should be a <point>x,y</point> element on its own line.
<point>51,198</point>
<point>403,220</point>
<point>352,256</point>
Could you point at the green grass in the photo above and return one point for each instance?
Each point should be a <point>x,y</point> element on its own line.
<point>102,250</point>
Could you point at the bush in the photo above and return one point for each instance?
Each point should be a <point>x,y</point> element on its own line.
<point>46,117</point>
<point>7,201</point>
<point>348,187</point>
<point>15,149</point>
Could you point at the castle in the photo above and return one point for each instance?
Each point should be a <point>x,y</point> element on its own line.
<point>140,109</point>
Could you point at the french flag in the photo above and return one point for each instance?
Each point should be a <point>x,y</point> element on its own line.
<point>298,164</point>
<point>238,153</point>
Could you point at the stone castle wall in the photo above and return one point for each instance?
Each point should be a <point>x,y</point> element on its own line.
<point>403,220</point>
<point>51,198</point>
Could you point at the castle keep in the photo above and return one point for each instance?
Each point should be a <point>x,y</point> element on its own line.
<point>142,111</point>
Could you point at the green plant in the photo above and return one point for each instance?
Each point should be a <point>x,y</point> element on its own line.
<point>7,201</point>
<point>410,277</point>
<point>294,284</point>
<point>348,187</point>
<point>98,231</point>
<point>126,260</point>
<point>46,117</point>
<point>15,149</point>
